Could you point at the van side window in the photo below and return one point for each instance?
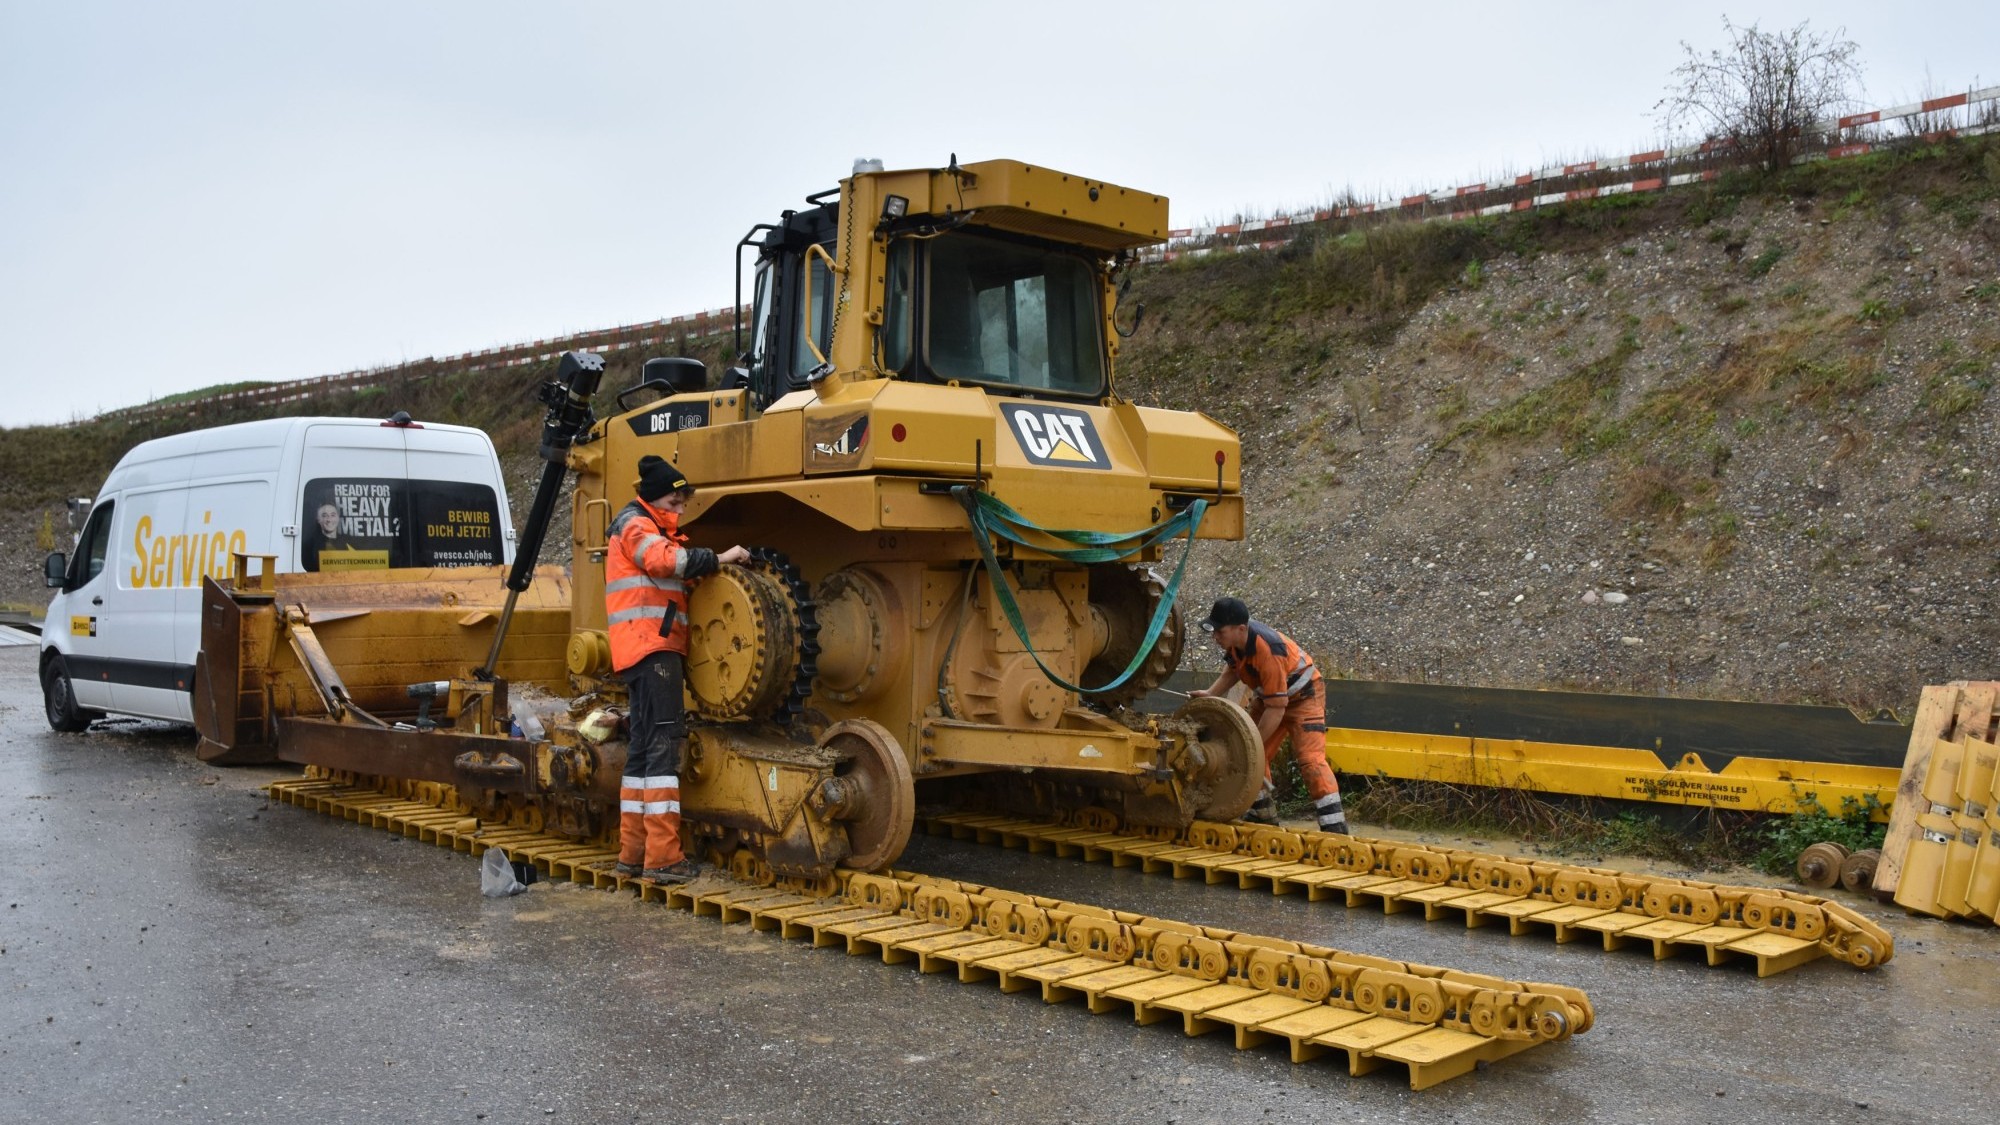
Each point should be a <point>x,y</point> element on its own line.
<point>91,546</point>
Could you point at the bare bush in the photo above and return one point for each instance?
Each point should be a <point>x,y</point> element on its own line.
<point>1769,93</point>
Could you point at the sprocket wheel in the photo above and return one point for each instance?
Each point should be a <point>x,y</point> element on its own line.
<point>752,641</point>
<point>798,592</point>
<point>1127,597</point>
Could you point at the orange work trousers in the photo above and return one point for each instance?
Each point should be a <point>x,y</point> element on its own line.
<point>1305,725</point>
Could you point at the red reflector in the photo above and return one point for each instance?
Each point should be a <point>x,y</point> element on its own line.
<point>898,432</point>
<point>1219,458</point>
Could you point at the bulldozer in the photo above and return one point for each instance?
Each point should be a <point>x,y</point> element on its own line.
<point>965,554</point>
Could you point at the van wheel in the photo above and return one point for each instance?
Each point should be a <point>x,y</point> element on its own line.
<point>60,701</point>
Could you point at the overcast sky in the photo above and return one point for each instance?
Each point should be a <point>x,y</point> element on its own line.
<point>194,192</point>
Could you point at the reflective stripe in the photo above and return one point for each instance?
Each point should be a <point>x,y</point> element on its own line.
<point>1330,801</point>
<point>644,582</point>
<point>680,557</point>
<point>1328,820</point>
<point>645,600</point>
<point>654,808</point>
<point>630,782</point>
<point>665,781</point>
<point>632,806</point>
<point>1301,680</point>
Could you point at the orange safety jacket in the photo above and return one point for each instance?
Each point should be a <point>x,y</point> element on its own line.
<point>646,571</point>
<point>1273,665</point>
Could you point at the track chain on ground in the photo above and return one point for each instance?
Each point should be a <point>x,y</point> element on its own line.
<point>1437,1023</point>
<point>1781,929</point>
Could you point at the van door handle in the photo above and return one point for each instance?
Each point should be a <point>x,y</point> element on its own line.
<point>98,600</point>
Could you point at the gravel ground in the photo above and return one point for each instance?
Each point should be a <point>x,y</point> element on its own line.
<point>174,947</point>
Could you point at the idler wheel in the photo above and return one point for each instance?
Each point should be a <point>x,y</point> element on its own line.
<point>1819,865</point>
<point>1232,768</point>
<point>1857,871</point>
<point>871,792</point>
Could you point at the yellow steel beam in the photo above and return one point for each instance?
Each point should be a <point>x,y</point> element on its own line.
<point>949,743</point>
<point>1746,784</point>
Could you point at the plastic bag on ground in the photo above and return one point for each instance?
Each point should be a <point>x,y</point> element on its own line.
<point>496,875</point>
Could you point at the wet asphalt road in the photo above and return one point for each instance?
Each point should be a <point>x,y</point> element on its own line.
<point>175,948</point>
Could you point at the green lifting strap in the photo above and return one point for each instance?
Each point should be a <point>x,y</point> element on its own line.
<point>991,518</point>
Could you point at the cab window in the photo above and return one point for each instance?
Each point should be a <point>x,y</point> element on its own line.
<point>760,308</point>
<point>818,320</point>
<point>899,313</point>
<point>1012,315</point>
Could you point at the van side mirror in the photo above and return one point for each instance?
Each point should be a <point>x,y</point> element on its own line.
<point>55,569</point>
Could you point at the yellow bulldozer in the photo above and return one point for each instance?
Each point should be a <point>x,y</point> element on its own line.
<point>966,551</point>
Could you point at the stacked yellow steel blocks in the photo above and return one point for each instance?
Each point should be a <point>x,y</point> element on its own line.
<point>1942,853</point>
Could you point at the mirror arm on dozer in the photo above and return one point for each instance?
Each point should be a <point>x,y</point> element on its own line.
<point>568,399</point>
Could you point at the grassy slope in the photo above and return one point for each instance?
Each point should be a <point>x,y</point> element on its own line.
<point>1757,411</point>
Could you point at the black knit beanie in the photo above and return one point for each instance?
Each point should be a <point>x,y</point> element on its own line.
<point>657,478</point>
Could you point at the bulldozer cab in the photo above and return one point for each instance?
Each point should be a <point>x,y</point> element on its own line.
<point>992,275</point>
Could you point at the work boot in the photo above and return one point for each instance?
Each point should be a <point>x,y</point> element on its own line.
<point>680,872</point>
<point>629,870</point>
<point>1264,811</point>
<point>1336,825</point>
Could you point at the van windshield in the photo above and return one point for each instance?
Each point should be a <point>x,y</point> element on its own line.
<point>374,523</point>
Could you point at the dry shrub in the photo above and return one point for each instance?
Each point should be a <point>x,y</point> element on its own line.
<point>1657,491</point>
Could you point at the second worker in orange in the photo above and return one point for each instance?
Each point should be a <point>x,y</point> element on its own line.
<point>1288,699</point>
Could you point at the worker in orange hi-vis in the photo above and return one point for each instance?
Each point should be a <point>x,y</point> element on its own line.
<point>1288,698</point>
<point>647,568</point>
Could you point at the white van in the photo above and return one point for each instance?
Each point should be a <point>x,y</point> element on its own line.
<point>321,494</point>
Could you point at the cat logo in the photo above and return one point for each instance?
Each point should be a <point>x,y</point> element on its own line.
<point>1055,435</point>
